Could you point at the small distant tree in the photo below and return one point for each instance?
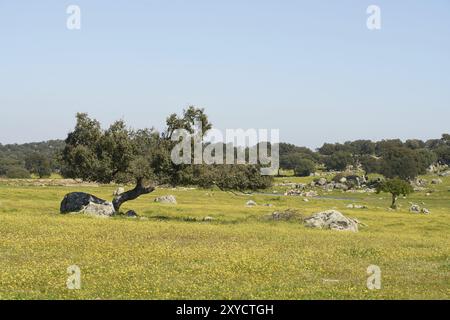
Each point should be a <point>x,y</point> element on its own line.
<point>304,168</point>
<point>395,187</point>
<point>38,164</point>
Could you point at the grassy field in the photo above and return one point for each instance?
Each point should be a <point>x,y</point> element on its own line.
<point>171,253</point>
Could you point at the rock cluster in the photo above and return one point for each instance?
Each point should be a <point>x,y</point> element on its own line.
<point>415,208</point>
<point>333,220</point>
<point>356,206</point>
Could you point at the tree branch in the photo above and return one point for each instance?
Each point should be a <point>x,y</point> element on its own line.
<point>132,194</point>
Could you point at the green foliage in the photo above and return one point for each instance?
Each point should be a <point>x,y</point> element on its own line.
<point>15,155</point>
<point>38,164</point>
<point>17,173</point>
<point>117,154</point>
<point>292,160</point>
<point>304,168</point>
<point>370,164</point>
<point>338,161</point>
<point>403,163</point>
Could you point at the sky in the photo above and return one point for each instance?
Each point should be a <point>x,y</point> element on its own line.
<point>311,69</point>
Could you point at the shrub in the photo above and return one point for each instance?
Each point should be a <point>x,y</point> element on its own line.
<point>17,173</point>
<point>304,168</point>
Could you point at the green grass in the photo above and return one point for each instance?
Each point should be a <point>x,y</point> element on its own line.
<point>170,253</point>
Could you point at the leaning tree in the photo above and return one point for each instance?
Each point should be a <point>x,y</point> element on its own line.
<point>122,155</point>
<point>111,155</point>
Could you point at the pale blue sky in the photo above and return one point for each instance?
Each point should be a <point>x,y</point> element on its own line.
<point>310,68</point>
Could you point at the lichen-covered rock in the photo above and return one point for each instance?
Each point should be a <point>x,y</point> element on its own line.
<point>99,209</point>
<point>333,220</point>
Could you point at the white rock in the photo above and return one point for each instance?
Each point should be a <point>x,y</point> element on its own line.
<point>250,203</point>
<point>333,220</point>
<point>166,199</point>
<point>101,210</point>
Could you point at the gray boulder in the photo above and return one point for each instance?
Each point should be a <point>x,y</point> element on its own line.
<point>414,208</point>
<point>76,201</point>
<point>333,220</point>
<point>311,194</point>
<point>166,199</point>
<point>436,181</point>
<point>250,203</point>
<point>341,186</point>
<point>99,209</point>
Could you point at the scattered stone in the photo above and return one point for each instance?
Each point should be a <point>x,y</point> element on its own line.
<point>333,220</point>
<point>444,174</point>
<point>118,191</point>
<point>322,182</point>
<point>131,214</point>
<point>341,186</point>
<point>419,183</point>
<point>414,208</point>
<point>208,219</point>
<point>250,203</point>
<point>311,194</point>
<point>436,181</point>
<point>305,200</point>
<point>293,192</point>
<point>268,205</point>
<point>425,211</point>
<point>166,199</point>
<point>286,215</point>
<point>356,206</point>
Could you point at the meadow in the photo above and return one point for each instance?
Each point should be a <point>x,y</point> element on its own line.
<point>171,252</point>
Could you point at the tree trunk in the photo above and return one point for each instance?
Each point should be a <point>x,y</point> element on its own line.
<point>394,200</point>
<point>139,190</point>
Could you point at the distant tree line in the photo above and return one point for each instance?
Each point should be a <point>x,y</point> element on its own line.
<point>391,158</point>
<point>118,153</point>
<point>22,160</point>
